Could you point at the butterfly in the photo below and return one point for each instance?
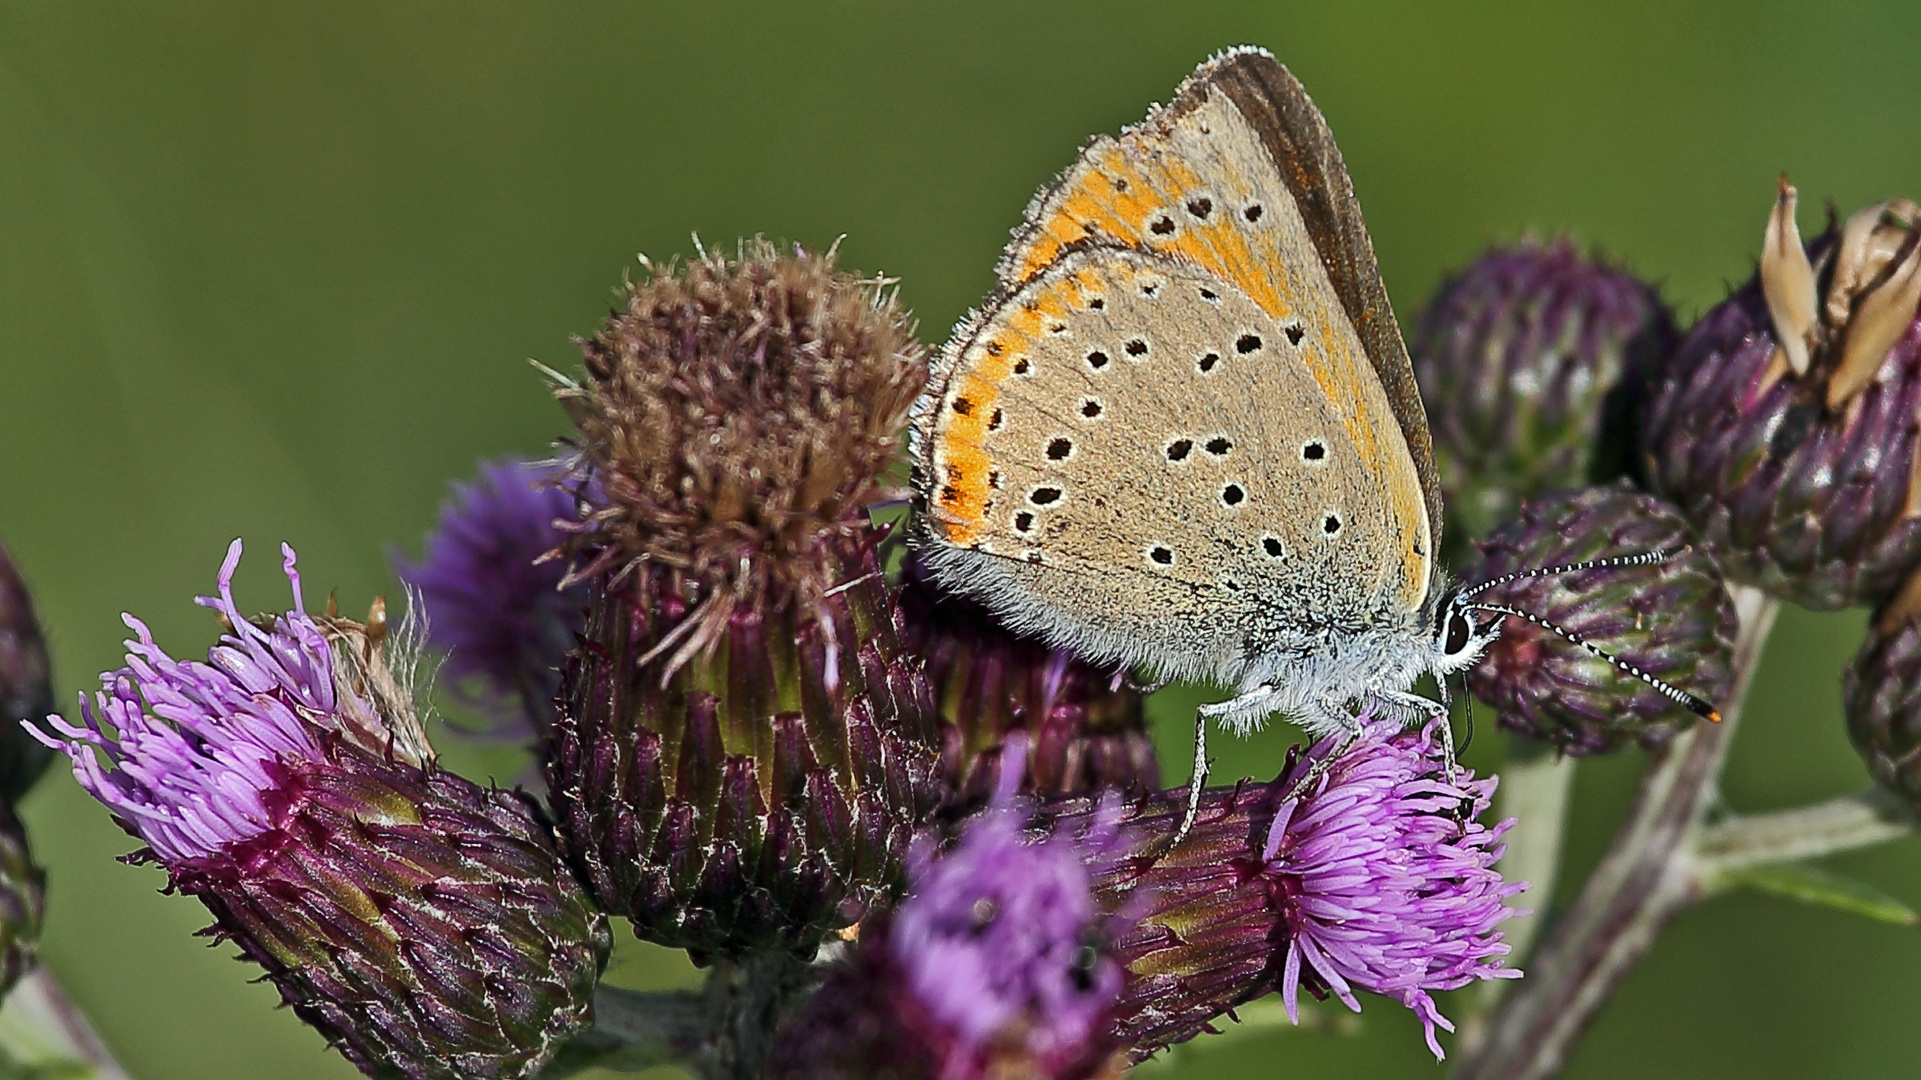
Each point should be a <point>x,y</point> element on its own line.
<point>1184,435</point>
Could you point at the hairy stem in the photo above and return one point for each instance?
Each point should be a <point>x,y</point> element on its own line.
<point>1806,832</point>
<point>1645,878</point>
<point>1535,784</point>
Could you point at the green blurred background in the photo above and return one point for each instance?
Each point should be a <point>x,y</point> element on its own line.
<point>276,271</point>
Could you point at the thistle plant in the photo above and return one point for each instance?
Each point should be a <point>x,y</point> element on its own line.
<point>906,843</point>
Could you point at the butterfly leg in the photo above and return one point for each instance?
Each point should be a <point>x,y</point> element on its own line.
<point>1239,705</point>
<point>1199,780</point>
<point>1142,686</point>
<point>1414,709</point>
<point>1341,720</point>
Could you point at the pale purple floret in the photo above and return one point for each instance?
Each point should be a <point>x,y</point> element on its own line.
<point>184,751</point>
<point>1001,934</point>
<point>502,619</point>
<point>1391,888</point>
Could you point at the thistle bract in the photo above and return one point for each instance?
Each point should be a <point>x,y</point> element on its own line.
<point>1086,726</point>
<point>425,925</point>
<point>1673,620</point>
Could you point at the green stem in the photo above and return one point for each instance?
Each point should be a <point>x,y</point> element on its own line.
<point>1806,832</point>
<point>1643,881</point>
<point>1535,784</point>
<point>43,1031</point>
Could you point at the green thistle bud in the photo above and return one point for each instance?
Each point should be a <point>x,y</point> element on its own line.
<point>1784,425</point>
<point>1673,620</point>
<point>1086,725</point>
<point>1525,359</point>
<point>744,747</point>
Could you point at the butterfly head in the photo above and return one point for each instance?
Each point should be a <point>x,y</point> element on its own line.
<point>1459,640</point>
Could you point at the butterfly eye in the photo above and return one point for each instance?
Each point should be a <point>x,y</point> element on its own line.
<point>1458,632</point>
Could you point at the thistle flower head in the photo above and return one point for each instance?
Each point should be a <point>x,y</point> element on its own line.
<point>1002,933</point>
<point>1881,690</point>
<point>997,963</point>
<point>1783,425</point>
<point>426,926</point>
<point>1672,620</point>
<point>1377,877</point>
<point>497,611</point>
<point>738,414</point>
<point>26,685</point>
<point>185,752</point>
<point>1381,886</point>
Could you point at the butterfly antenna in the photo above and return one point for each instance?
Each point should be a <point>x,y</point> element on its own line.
<point>1646,558</point>
<point>1674,693</point>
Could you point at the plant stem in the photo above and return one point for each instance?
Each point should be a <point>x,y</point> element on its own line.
<point>1534,792</point>
<point>1643,881</point>
<point>1806,832</point>
<point>41,1027</point>
<point>723,1031</point>
<point>1535,784</point>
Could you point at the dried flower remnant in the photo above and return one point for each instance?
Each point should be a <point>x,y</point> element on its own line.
<point>1673,620</point>
<point>1528,361</point>
<point>996,964</point>
<point>1785,425</point>
<point>1379,878</point>
<point>744,747</point>
<point>425,925</point>
<point>496,610</point>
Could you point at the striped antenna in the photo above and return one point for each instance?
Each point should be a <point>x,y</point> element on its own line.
<point>1646,558</point>
<point>1673,693</point>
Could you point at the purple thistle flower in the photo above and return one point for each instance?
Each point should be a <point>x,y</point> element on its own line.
<point>1002,931</point>
<point>501,616</point>
<point>194,745</point>
<point>425,925</point>
<point>1381,887</point>
<point>1378,877</point>
<point>997,962</point>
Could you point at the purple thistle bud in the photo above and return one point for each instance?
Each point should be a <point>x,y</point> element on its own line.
<point>997,963</point>
<point>26,685</point>
<point>1378,877</point>
<point>1519,358</point>
<point>1087,725</point>
<point>498,613</point>
<point>1881,690</point>
<point>23,902</point>
<point>425,925</point>
<point>1673,620</point>
<point>1784,424</point>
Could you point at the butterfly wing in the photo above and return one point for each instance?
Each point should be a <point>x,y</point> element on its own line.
<point>1239,174</point>
<point>1134,458</point>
